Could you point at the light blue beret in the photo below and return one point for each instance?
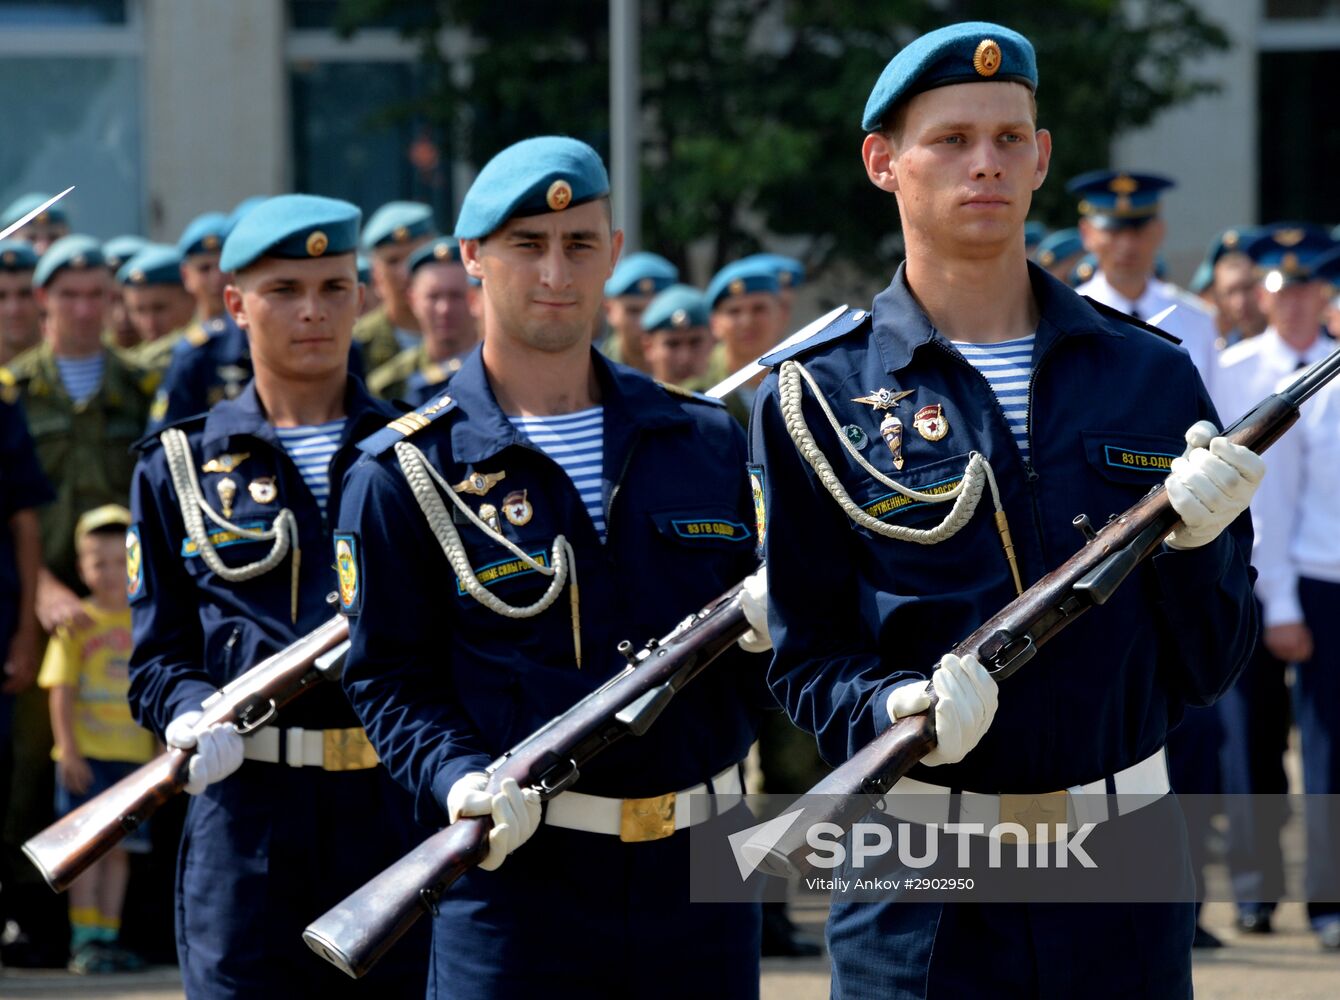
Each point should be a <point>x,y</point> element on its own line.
<point>971,52</point>
<point>120,249</point>
<point>1115,199</point>
<point>242,208</point>
<point>1059,245</point>
<point>1085,268</point>
<point>293,226</point>
<point>364,269</point>
<point>17,255</point>
<point>76,252</point>
<point>25,203</point>
<point>444,249</point>
<point>740,277</point>
<point>203,234</point>
<point>545,174</point>
<point>156,264</point>
<point>677,308</point>
<point>790,272</point>
<point>398,222</point>
<point>1229,241</point>
<point>641,273</point>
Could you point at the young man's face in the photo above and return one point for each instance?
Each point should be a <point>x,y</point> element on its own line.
<point>18,310</point>
<point>157,310</point>
<point>299,314</point>
<point>1125,255</point>
<point>1296,309</point>
<point>1234,294</point>
<point>676,356</point>
<point>748,324</point>
<point>76,303</point>
<point>389,274</point>
<point>202,278</point>
<point>964,166</point>
<point>102,565</point>
<point>544,275</point>
<point>42,234</point>
<point>439,297</point>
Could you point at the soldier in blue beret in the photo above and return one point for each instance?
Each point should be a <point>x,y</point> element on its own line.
<point>559,465</point>
<point>635,280</point>
<point>20,326</point>
<point>120,249</point>
<point>445,304</point>
<point>790,276</point>
<point>1059,251</point>
<point>200,245</point>
<point>1121,225</point>
<point>370,300</point>
<point>394,232</point>
<point>676,339</point>
<point>42,230</point>
<point>292,823</point>
<point>747,317</point>
<point>156,303</point>
<point>1228,278</point>
<point>975,359</point>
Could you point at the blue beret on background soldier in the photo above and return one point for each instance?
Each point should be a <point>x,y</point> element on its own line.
<point>393,232</point>
<point>975,359</point>
<point>1059,251</point>
<point>155,302</point>
<point>20,324</point>
<point>541,465</point>
<point>635,280</point>
<point>42,230</point>
<point>676,338</point>
<point>228,563</point>
<point>747,316</point>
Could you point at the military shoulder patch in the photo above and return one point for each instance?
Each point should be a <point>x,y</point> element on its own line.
<point>850,321</point>
<point>136,587</point>
<point>349,571</point>
<point>406,424</point>
<point>756,483</point>
<point>1107,312</point>
<point>698,397</point>
<point>196,336</point>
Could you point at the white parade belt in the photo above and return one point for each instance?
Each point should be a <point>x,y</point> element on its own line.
<point>654,818</point>
<point>328,749</point>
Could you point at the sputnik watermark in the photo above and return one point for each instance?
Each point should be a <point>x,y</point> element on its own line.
<point>873,841</point>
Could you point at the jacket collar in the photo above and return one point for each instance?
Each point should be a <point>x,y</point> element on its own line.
<point>244,416</point>
<point>901,327</point>
<point>632,401</point>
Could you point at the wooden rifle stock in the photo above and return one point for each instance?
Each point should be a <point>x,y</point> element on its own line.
<point>356,933</point>
<point>70,846</point>
<point>1011,638</point>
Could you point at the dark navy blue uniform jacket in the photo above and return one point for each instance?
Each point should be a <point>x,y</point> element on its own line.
<point>444,685</point>
<point>853,613</point>
<point>195,631</point>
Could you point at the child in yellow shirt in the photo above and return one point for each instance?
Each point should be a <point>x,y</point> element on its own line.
<point>97,743</point>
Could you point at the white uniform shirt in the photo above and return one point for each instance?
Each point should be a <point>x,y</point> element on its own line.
<point>1296,514</point>
<point>1191,322</point>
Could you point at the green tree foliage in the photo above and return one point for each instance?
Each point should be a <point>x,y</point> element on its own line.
<point>752,107</point>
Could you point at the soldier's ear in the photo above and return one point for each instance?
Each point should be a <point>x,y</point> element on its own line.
<point>470,258</point>
<point>233,302</point>
<point>1044,143</point>
<point>877,153</point>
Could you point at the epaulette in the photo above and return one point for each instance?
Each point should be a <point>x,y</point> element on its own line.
<point>150,441</point>
<point>9,390</point>
<point>406,424</point>
<point>1107,312</point>
<point>682,393</point>
<point>849,321</point>
<point>196,336</point>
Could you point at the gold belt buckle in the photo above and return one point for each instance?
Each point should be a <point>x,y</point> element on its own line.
<point>647,819</point>
<point>1046,809</point>
<point>347,750</point>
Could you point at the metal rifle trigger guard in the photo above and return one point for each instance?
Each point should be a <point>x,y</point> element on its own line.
<point>246,724</point>
<point>567,774</point>
<point>1011,654</point>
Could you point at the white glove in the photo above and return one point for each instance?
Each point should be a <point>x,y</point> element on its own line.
<point>754,601</point>
<point>218,750</point>
<point>515,812</point>
<point>1210,485</point>
<point>963,712</point>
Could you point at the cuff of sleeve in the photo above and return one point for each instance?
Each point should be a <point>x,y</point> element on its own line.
<point>1282,610</point>
<point>186,697</point>
<point>1179,569</point>
<point>881,700</point>
<point>451,772</point>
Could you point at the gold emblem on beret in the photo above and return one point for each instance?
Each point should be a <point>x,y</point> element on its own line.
<point>79,261</point>
<point>210,242</point>
<point>646,286</point>
<point>317,243</point>
<point>137,277</point>
<point>401,234</point>
<point>1084,270</point>
<point>679,317</point>
<point>9,258</point>
<point>1047,258</point>
<point>1231,239</point>
<point>1288,237</point>
<point>736,287</point>
<point>1085,207</point>
<point>559,195</point>
<point>784,278</point>
<point>44,217</point>
<point>986,60</point>
<point>442,251</point>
